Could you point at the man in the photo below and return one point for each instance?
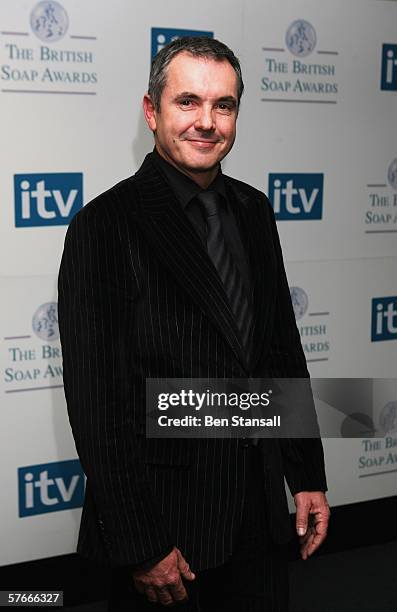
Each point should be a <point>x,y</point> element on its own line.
<point>177,272</point>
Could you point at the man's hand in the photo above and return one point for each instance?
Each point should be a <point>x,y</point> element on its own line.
<point>312,516</point>
<point>163,582</point>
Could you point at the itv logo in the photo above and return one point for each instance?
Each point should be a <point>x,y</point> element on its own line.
<point>50,487</point>
<point>47,199</point>
<point>296,196</point>
<point>384,319</point>
<point>388,80</point>
<point>163,36</point>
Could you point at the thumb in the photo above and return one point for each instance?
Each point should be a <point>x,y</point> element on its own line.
<point>302,514</point>
<point>184,568</point>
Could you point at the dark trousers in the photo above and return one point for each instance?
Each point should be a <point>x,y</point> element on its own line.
<point>253,579</point>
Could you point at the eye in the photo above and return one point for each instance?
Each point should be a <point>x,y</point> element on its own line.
<point>225,107</point>
<point>185,102</point>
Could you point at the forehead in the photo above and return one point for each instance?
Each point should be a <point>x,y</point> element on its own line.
<point>201,75</point>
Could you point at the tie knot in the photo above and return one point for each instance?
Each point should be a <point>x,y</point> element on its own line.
<point>210,202</point>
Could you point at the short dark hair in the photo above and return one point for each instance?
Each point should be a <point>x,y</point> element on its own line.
<point>198,46</point>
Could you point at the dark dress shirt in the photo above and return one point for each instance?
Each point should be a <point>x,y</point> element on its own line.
<point>186,190</point>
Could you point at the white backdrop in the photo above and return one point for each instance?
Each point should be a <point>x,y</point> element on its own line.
<point>316,112</point>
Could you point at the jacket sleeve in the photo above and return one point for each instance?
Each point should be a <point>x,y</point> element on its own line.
<point>303,458</point>
<point>97,296</point>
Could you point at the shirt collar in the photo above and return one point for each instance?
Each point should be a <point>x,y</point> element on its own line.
<point>185,188</point>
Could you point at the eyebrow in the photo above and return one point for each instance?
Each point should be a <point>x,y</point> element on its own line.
<point>189,94</point>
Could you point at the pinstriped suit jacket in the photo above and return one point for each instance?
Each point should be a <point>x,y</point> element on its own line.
<point>138,298</point>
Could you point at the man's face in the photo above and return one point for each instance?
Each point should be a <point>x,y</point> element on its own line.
<point>196,125</point>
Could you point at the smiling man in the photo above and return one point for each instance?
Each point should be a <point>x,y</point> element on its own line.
<point>177,272</point>
<point>195,121</point>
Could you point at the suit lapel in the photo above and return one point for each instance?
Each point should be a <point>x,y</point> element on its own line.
<point>177,246</point>
<point>255,231</point>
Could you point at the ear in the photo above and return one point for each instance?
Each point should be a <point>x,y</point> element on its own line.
<point>150,112</point>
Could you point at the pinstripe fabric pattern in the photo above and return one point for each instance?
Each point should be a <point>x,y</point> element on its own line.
<point>139,297</point>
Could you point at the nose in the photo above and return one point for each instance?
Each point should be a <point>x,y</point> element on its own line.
<point>205,120</point>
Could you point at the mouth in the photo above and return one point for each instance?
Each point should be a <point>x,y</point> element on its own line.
<point>202,143</point>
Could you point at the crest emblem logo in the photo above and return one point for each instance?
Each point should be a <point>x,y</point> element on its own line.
<point>388,418</point>
<point>45,321</point>
<point>300,301</point>
<point>301,38</point>
<point>49,21</point>
<point>392,174</point>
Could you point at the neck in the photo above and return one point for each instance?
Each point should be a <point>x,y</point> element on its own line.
<point>203,179</point>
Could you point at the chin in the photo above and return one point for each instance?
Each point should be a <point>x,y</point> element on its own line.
<point>192,167</point>
<point>202,162</point>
